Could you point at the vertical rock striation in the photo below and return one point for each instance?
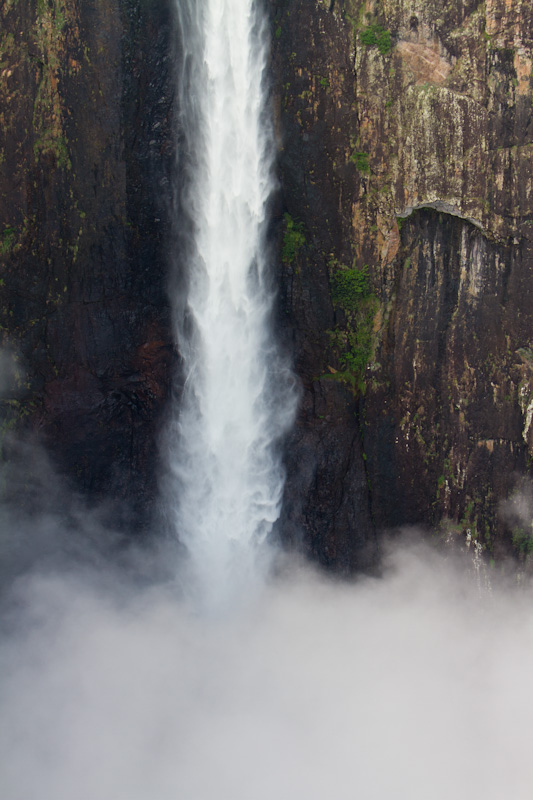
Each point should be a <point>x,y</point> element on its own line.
<point>84,147</point>
<point>405,133</point>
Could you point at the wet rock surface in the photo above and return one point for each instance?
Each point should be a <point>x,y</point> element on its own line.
<point>86,152</point>
<point>405,136</point>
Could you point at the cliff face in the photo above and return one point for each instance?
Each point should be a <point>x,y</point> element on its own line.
<point>405,132</point>
<point>327,501</point>
<point>84,150</point>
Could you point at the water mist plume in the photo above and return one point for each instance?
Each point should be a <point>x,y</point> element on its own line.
<point>227,478</point>
<point>414,686</point>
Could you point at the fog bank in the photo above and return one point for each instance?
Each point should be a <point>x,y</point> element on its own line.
<point>415,685</point>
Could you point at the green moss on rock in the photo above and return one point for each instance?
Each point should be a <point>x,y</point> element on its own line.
<point>376,36</point>
<point>353,340</point>
<point>293,240</point>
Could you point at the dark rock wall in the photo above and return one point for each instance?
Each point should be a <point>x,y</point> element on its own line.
<point>405,151</point>
<point>327,502</point>
<point>84,154</point>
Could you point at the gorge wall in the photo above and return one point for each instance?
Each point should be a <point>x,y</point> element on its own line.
<point>85,155</point>
<point>405,133</point>
<point>405,218</point>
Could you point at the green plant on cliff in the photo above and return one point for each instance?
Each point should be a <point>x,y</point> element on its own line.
<point>355,344</point>
<point>361,161</point>
<point>7,240</point>
<point>293,239</point>
<point>353,340</point>
<point>349,286</point>
<point>376,36</point>
<point>522,542</point>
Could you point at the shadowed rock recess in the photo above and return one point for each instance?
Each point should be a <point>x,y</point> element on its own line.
<point>405,216</point>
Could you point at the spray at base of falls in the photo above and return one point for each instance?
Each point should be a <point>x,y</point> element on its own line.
<point>226,472</point>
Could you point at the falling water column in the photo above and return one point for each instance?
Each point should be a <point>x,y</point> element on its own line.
<point>226,471</point>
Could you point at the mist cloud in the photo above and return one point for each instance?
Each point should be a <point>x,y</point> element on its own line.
<point>413,686</point>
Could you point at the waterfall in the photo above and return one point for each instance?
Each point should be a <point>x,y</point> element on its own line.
<point>225,465</point>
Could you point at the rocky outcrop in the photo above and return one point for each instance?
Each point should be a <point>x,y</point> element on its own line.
<point>405,134</point>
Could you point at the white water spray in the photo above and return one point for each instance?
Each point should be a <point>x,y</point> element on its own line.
<point>227,474</point>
